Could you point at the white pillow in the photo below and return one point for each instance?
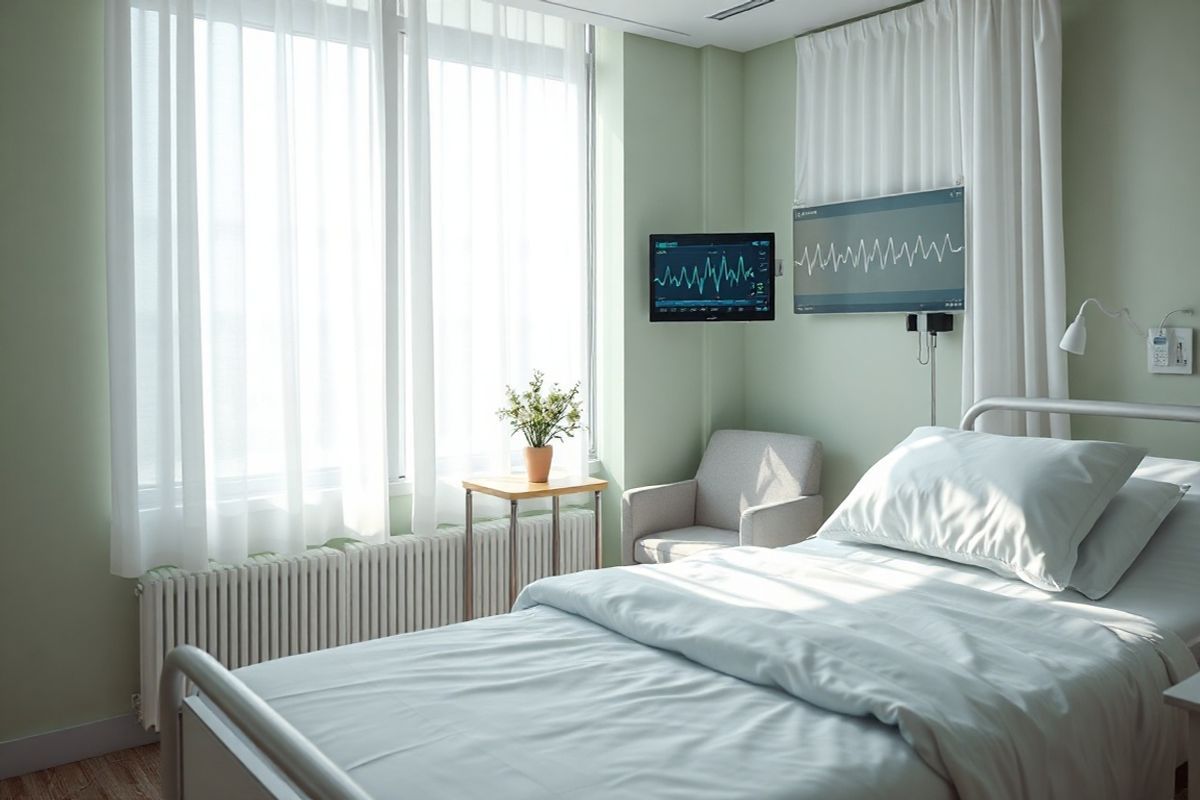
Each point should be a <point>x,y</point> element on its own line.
<point>1018,506</point>
<point>1121,532</point>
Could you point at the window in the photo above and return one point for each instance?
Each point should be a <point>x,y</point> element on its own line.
<point>502,84</point>
<point>508,93</point>
<point>261,350</point>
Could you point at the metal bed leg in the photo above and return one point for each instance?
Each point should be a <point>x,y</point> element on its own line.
<point>599,534</point>
<point>469,562</point>
<point>512,553</point>
<point>555,547</point>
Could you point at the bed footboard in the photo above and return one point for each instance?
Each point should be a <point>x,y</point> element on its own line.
<point>294,756</point>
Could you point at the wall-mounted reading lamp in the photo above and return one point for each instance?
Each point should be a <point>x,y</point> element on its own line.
<point>1168,349</point>
<point>1075,339</point>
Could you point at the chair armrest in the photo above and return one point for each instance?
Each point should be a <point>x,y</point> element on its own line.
<point>782,523</point>
<point>651,509</point>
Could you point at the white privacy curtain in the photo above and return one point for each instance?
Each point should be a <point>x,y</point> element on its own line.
<point>497,271</point>
<point>246,278</point>
<point>947,92</point>
<point>1011,95</point>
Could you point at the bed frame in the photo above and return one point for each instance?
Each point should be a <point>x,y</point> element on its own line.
<point>1083,408</point>
<point>248,750</point>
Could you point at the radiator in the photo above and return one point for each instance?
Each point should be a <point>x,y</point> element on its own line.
<point>275,606</point>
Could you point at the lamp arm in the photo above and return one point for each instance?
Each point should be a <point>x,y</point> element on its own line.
<point>1122,313</point>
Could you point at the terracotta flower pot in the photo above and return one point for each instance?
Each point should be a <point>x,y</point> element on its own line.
<point>537,463</point>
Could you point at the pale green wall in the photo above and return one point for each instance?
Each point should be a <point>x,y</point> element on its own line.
<point>722,208</point>
<point>1131,165</point>
<point>669,161</point>
<point>67,627</point>
<point>851,381</point>
<point>682,173</point>
<point>662,375</point>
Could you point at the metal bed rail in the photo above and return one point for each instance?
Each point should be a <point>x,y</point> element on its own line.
<point>1090,408</point>
<point>296,757</point>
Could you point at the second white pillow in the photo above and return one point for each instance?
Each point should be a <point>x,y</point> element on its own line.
<point>1118,537</point>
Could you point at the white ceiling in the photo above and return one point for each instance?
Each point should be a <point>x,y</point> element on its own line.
<point>685,21</point>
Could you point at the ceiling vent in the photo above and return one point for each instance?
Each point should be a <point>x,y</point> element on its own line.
<point>740,8</point>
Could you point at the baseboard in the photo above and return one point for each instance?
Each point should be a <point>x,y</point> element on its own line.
<point>45,750</point>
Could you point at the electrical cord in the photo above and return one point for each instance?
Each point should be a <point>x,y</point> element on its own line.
<point>1122,313</point>
<point>1162,325</point>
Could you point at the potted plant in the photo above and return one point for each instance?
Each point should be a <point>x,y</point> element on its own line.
<point>542,418</point>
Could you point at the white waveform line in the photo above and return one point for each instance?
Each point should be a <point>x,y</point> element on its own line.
<point>862,256</point>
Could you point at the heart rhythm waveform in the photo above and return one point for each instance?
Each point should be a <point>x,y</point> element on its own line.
<point>715,274</point>
<point>882,255</point>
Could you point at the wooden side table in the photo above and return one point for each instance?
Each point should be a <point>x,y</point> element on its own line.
<point>514,488</point>
<point>1186,695</point>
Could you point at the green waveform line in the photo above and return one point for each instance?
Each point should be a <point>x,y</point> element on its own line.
<point>717,274</point>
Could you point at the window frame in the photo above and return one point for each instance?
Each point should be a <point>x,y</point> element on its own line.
<point>393,213</point>
<point>593,416</point>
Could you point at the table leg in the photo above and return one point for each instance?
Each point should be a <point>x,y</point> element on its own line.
<point>512,554</point>
<point>599,534</point>
<point>469,564</point>
<point>555,546</point>
<point>1194,755</point>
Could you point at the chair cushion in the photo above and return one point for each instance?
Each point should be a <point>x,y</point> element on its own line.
<point>659,548</point>
<point>741,469</point>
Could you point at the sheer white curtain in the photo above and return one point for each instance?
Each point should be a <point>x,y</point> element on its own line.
<point>246,278</point>
<point>943,92</point>
<point>497,272</point>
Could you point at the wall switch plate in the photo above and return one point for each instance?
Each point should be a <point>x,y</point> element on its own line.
<point>1169,351</point>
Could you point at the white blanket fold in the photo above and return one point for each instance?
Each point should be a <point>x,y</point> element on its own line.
<point>1001,696</point>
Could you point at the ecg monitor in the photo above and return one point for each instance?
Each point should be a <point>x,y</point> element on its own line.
<point>712,277</point>
<point>904,252</point>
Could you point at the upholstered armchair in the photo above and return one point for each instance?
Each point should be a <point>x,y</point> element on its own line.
<point>752,488</point>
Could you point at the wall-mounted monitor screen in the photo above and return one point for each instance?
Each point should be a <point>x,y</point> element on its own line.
<point>712,276</point>
<point>904,252</point>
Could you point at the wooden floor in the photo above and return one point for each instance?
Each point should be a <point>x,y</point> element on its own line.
<point>127,775</point>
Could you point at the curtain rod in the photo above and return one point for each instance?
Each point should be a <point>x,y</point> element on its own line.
<point>859,18</point>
